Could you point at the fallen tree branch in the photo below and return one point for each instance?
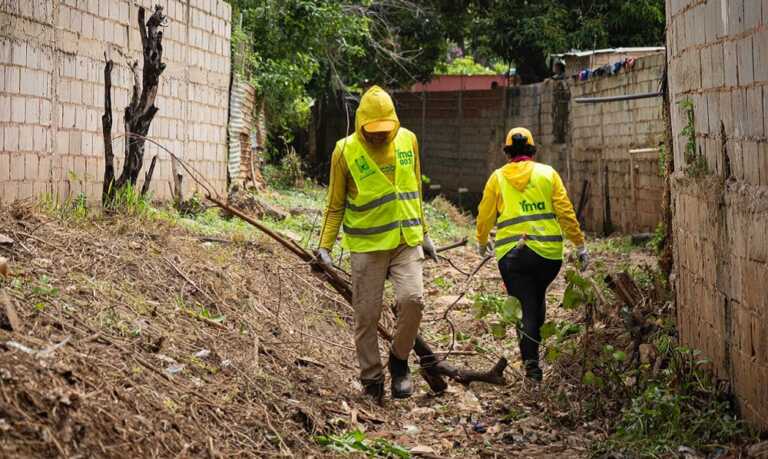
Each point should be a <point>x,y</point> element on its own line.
<point>625,288</point>
<point>634,320</point>
<point>494,376</point>
<point>433,370</point>
<point>454,245</point>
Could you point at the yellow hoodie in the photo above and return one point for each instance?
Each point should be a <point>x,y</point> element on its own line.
<point>519,174</point>
<point>375,105</point>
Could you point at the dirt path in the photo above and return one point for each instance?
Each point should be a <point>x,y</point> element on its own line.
<point>482,420</point>
<point>141,338</point>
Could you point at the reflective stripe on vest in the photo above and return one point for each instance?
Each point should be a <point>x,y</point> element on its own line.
<point>529,213</point>
<point>382,214</point>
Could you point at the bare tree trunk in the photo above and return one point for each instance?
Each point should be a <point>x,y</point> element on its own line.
<point>141,110</point>
<point>106,127</point>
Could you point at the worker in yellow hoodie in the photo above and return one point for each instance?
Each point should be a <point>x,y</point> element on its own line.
<point>528,204</point>
<point>375,195</point>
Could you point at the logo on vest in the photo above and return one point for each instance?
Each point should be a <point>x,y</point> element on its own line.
<point>405,157</point>
<point>363,167</point>
<point>532,206</point>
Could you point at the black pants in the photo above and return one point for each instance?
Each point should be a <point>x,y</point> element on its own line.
<point>526,276</point>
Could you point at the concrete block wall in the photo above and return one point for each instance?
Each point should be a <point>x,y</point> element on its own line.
<point>718,60</point>
<point>457,132</point>
<point>461,133</point>
<point>626,188</point>
<point>535,106</point>
<point>52,92</point>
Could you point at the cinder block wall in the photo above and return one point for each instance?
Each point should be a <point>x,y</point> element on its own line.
<point>718,60</point>
<point>461,133</point>
<point>52,92</point>
<point>626,188</point>
<point>458,132</point>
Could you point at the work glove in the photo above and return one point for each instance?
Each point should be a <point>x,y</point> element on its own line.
<point>429,248</point>
<point>485,249</point>
<point>583,256</point>
<point>324,258</point>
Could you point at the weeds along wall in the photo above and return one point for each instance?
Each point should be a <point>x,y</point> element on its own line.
<point>718,77</point>
<point>52,92</point>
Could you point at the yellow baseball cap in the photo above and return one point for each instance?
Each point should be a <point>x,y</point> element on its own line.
<point>380,126</point>
<point>521,131</point>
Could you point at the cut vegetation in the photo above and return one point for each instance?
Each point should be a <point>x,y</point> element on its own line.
<point>147,333</point>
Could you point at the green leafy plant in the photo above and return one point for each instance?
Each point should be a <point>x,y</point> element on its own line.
<point>286,171</point>
<point>446,221</point>
<point>205,313</point>
<point>129,201</point>
<point>467,66</point>
<point>681,405</point>
<point>696,163</point>
<point>443,283</point>
<point>507,312</point>
<point>607,371</point>
<point>356,442</point>
<point>556,336</point>
<point>662,161</point>
<point>44,288</point>
<point>71,208</point>
<point>659,239</point>
<point>578,292</point>
<point>615,245</point>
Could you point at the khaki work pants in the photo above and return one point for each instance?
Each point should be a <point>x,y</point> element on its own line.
<point>369,271</point>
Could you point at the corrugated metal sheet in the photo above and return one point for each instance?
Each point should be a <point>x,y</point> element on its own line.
<point>236,97</point>
<point>582,53</point>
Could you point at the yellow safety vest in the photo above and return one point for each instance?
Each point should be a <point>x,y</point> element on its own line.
<point>529,213</point>
<point>382,211</point>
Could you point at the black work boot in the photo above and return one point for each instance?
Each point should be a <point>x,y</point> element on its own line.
<point>533,371</point>
<point>374,388</point>
<point>402,384</point>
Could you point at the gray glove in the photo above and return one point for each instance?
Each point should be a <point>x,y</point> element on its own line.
<point>429,248</point>
<point>324,258</point>
<point>486,249</point>
<point>583,255</point>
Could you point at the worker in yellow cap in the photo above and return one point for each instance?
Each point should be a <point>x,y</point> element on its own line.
<point>375,194</point>
<point>529,206</point>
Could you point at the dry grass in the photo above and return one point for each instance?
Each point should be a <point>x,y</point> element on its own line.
<point>172,346</point>
<point>454,214</point>
<point>175,346</point>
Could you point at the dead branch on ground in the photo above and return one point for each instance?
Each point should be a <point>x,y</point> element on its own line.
<point>432,368</point>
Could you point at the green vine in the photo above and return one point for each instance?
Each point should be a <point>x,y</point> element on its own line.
<point>662,161</point>
<point>696,163</point>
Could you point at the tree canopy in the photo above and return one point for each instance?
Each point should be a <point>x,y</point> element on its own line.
<point>296,51</point>
<point>526,32</point>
